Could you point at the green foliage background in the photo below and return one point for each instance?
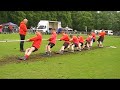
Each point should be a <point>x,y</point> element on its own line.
<point>74,19</point>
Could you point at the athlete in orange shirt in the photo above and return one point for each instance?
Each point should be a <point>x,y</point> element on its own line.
<point>101,38</point>
<point>52,42</point>
<point>35,46</point>
<point>66,40</point>
<point>81,40</point>
<point>93,38</point>
<point>88,41</point>
<point>75,43</point>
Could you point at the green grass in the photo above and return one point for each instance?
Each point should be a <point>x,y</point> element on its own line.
<point>100,63</point>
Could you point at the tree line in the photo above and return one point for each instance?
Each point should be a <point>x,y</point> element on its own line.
<point>77,20</point>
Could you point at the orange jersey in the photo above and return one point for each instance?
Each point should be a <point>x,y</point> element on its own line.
<point>53,38</point>
<point>102,34</point>
<point>75,40</point>
<point>65,38</point>
<point>93,35</point>
<point>36,41</point>
<point>23,28</point>
<point>81,40</point>
<point>88,39</point>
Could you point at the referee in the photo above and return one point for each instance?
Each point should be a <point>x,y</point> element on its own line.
<point>22,33</point>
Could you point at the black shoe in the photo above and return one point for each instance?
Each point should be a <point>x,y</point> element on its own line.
<point>22,50</point>
<point>22,58</point>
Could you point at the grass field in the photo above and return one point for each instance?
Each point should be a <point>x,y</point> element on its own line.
<point>98,63</point>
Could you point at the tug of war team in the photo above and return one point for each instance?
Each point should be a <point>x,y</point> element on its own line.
<point>71,42</point>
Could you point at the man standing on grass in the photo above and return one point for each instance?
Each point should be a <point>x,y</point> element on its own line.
<point>52,42</point>
<point>37,40</point>
<point>101,38</point>
<point>22,32</point>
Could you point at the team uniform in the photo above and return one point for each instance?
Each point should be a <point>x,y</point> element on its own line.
<point>75,41</point>
<point>81,40</point>
<point>66,40</point>
<point>93,38</point>
<point>52,42</point>
<point>37,40</point>
<point>75,44</point>
<point>52,39</point>
<point>66,43</point>
<point>101,38</point>
<point>88,41</point>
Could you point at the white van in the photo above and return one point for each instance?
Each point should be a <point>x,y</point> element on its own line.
<point>43,26</point>
<point>109,32</point>
<point>46,25</point>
